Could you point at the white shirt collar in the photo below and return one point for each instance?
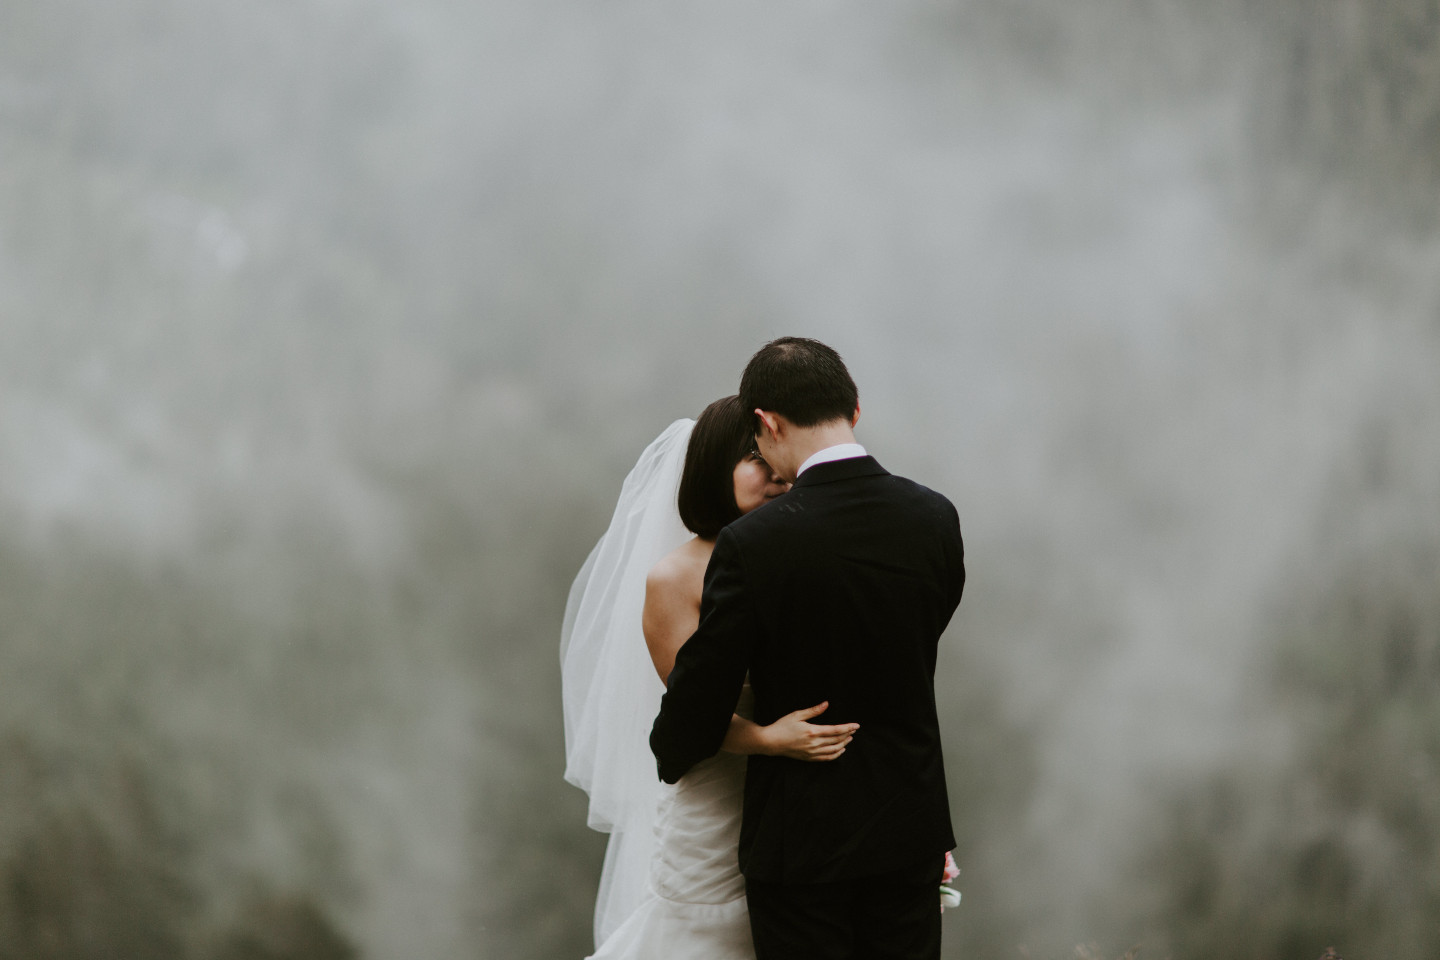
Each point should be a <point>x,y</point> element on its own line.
<point>841,451</point>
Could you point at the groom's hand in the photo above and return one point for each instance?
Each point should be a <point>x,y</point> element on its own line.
<point>795,737</point>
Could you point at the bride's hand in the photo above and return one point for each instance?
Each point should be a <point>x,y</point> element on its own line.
<point>792,736</point>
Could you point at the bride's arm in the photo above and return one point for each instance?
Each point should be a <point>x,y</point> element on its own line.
<point>791,736</point>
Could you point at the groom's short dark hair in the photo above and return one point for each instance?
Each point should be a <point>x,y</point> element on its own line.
<point>803,380</point>
<point>721,438</point>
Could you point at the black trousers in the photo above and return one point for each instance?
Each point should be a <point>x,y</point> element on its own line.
<point>889,916</point>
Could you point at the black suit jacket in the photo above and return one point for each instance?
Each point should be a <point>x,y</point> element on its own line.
<point>838,590</point>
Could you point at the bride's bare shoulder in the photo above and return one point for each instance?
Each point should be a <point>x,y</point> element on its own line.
<point>682,570</point>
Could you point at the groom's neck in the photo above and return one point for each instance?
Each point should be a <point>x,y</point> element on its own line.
<point>809,441</point>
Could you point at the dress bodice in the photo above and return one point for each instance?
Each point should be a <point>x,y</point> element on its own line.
<point>695,909</point>
<point>697,829</point>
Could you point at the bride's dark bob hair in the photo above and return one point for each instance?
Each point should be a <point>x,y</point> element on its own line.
<point>724,434</point>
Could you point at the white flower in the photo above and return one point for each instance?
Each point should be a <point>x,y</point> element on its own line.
<point>949,897</point>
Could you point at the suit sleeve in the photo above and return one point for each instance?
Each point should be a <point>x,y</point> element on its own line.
<point>958,581</point>
<point>709,669</point>
<point>954,548</point>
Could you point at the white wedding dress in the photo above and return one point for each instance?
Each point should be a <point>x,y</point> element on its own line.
<point>695,906</point>
<point>671,887</point>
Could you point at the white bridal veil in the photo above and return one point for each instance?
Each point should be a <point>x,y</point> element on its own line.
<point>611,691</point>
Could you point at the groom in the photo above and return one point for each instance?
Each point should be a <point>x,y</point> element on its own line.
<point>837,591</point>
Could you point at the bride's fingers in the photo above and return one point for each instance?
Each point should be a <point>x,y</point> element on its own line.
<point>814,711</point>
<point>841,729</point>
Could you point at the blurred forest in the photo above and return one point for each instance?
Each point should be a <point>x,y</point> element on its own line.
<point>329,329</point>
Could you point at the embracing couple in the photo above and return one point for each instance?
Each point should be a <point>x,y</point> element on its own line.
<point>777,597</point>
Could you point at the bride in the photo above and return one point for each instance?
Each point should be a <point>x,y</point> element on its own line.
<point>671,887</point>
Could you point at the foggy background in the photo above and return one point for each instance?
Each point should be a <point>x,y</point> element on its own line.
<point>329,329</point>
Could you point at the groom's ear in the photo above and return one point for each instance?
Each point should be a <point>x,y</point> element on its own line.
<point>856,418</point>
<point>768,423</point>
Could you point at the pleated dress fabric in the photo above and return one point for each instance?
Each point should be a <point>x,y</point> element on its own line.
<point>695,907</point>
